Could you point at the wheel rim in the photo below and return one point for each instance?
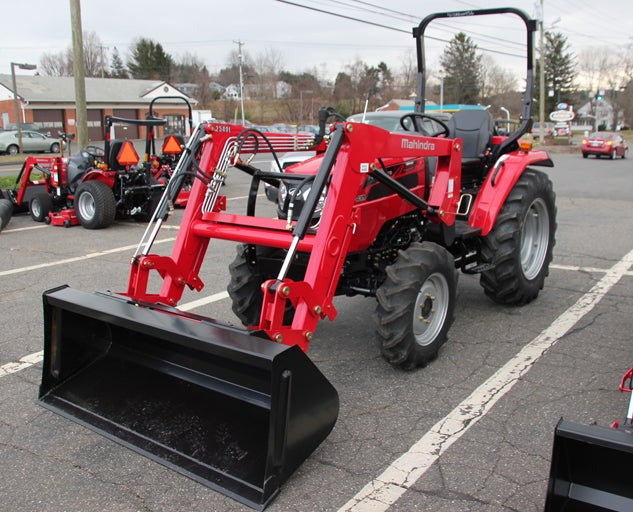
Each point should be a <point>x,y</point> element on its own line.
<point>534,239</point>
<point>36,208</point>
<point>431,307</point>
<point>86,206</point>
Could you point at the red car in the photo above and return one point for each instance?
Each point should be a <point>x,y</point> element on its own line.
<point>604,143</point>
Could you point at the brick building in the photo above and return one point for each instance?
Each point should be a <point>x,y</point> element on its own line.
<point>49,102</point>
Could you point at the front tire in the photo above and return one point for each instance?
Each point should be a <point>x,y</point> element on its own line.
<point>416,305</point>
<point>244,287</point>
<point>40,206</point>
<point>55,147</point>
<point>519,247</point>
<point>95,205</point>
<point>6,211</point>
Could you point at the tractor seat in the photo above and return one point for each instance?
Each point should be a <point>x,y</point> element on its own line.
<point>475,128</point>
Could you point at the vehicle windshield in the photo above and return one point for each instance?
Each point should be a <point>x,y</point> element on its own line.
<point>601,135</point>
<point>386,121</point>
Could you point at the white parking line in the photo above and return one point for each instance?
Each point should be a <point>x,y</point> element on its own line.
<point>382,492</point>
<point>36,357</point>
<point>77,258</point>
<point>24,229</point>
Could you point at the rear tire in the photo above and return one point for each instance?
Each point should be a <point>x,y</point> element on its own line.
<point>520,245</point>
<point>40,206</point>
<point>6,211</point>
<point>95,205</point>
<point>416,304</point>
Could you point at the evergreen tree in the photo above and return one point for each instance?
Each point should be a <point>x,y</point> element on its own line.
<point>149,61</point>
<point>462,68</point>
<point>117,68</point>
<point>560,70</point>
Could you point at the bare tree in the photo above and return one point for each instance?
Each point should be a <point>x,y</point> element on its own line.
<point>267,66</point>
<point>56,64</point>
<point>596,65</point>
<point>61,63</point>
<point>496,80</point>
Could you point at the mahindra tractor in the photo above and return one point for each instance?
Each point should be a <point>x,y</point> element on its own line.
<point>391,215</point>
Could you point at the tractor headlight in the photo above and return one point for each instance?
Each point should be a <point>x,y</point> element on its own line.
<point>291,201</point>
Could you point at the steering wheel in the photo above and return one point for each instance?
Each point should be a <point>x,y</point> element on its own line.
<point>417,115</point>
<point>95,151</point>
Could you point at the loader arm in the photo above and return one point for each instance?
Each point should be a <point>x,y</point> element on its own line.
<point>354,152</point>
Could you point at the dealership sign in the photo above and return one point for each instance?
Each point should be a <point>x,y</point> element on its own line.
<point>561,116</point>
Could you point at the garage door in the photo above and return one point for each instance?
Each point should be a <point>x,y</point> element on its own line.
<point>49,120</point>
<point>127,131</point>
<point>95,126</point>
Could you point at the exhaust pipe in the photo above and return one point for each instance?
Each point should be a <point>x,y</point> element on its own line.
<point>219,404</point>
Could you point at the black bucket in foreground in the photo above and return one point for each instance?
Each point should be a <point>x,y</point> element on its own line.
<point>219,404</point>
<point>590,469</point>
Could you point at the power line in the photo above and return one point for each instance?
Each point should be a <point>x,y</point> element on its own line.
<point>380,25</point>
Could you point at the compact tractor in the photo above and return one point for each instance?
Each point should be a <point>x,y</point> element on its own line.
<point>390,215</point>
<point>97,185</point>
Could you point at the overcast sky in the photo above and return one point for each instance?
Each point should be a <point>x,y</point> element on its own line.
<point>306,40</point>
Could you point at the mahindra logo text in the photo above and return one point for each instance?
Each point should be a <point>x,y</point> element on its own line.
<point>417,144</point>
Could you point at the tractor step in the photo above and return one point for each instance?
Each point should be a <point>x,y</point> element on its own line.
<point>478,269</point>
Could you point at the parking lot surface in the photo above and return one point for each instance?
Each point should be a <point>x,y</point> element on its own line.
<point>471,431</point>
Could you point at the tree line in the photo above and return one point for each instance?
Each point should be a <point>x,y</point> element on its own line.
<point>466,75</point>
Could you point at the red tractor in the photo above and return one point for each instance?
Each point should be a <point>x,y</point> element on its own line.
<point>391,215</point>
<point>97,185</point>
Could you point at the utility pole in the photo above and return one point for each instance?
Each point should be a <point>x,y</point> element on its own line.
<point>239,44</point>
<point>79,72</point>
<point>541,100</point>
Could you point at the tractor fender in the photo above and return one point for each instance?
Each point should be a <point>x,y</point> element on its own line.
<point>98,175</point>
<point>498,184</point>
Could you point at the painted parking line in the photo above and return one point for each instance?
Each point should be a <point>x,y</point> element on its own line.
<point>384,490</point>
<point>78,258</point>
<point>36,357</point>
<point>29,228</point>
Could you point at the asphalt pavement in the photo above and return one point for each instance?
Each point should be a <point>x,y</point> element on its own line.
<point>472,431</point>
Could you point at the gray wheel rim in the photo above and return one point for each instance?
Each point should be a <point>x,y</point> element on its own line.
<point>36,208</point>
<point>534,238</point>
<point>86,206</point>
<point>431,307</point>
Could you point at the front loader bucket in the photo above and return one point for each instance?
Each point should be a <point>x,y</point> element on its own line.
<point>223,406</point>
<point>590,469</point>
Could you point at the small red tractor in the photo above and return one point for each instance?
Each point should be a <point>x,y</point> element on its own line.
<point>390,215</point>
<point>97,185</point>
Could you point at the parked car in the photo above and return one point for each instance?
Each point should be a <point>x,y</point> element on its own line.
<point>547,127</point>
<point>27,126</point>
<point>32,142</point>
<point>604,143</point>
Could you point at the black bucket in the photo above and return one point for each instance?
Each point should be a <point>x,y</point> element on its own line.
<point>219,404</point>
<point>590,469</point>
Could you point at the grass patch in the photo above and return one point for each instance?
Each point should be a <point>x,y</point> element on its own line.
<point>7,181</point>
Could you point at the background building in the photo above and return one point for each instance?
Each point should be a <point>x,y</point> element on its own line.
<point>49,102</point>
